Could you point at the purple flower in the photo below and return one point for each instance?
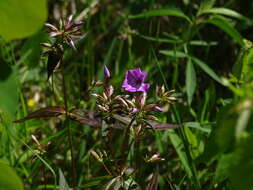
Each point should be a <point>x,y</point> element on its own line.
<point>107,72</point>
<point>134,81</point>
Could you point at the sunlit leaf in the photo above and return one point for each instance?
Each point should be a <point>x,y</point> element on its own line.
<point>20,19</point>
<point>9,179</point>
<point>191,81</point>
<point>225,12</point>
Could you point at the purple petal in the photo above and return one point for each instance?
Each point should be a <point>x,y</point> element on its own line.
<point>77,23</point>
<point>144,87</point>
<point>134,81</point>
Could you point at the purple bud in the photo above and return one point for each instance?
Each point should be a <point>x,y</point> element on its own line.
<point>133,110</point>
<point>77,23</point>
<point>106,72</point>
<point>157,108</point>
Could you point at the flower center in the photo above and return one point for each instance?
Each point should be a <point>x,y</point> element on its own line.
<point>138,83</point>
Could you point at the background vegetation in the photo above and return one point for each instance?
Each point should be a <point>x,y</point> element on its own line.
<point>200,48</point>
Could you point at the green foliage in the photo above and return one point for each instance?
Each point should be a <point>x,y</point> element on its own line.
<point>190,80</point>
<point>224,24</point>
<point>9,89</point>
<point>162,12</point>
<point>9,179</point>
<point>21,19</point>
<point>200,49</point>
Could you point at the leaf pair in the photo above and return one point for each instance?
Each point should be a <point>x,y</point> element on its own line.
<point>90,118</point>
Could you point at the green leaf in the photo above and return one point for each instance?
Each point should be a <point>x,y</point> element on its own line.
<point>242,69</point>
<point>201,64</point>
<point>225,12</point>
<point>9,179</point>
<point>20,19</point>
<point>222,170</point>
<point>179,147</point>
<point>63,185</point>
<point>196,125</point>
<point>240,172</point>
<point>190,81</point>
<point>205,5</point>
<point>162,12</point>
<point>224,24</point>
<point>8,89</point>
<point>177,54</point>
<point>206,69</point>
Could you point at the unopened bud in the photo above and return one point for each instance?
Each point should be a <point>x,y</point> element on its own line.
<point>133,110</point>
<point>96,156</point>
<point>155,158</point>
<point>107,74</point>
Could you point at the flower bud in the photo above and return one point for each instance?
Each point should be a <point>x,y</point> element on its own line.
<point>107,73</point>
<point>157,108</point>
<point>155,158</point>
<point>133,110</point>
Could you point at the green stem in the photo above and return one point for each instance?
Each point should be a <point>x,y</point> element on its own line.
<point>67,124</point>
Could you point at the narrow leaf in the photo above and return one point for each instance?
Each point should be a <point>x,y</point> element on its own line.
<point>63,185</point>
<point>190,81</point>
<point>206,69</point>
<point>223,24</point>
<point>176,54</point>
<point>225,12</point>
<point>52,111</point>
<point>162,12</point>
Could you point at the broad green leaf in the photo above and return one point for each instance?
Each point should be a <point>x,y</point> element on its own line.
<point>224,24</point>
<point>191,81</point>
<point>240,171</point>
<point>20,19</point>
<point>9,179</point>
<point>222,170</point>
<point>162,12</point>
<point>8,89</point>
<point>206,69</point>
<point>225,12</point>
